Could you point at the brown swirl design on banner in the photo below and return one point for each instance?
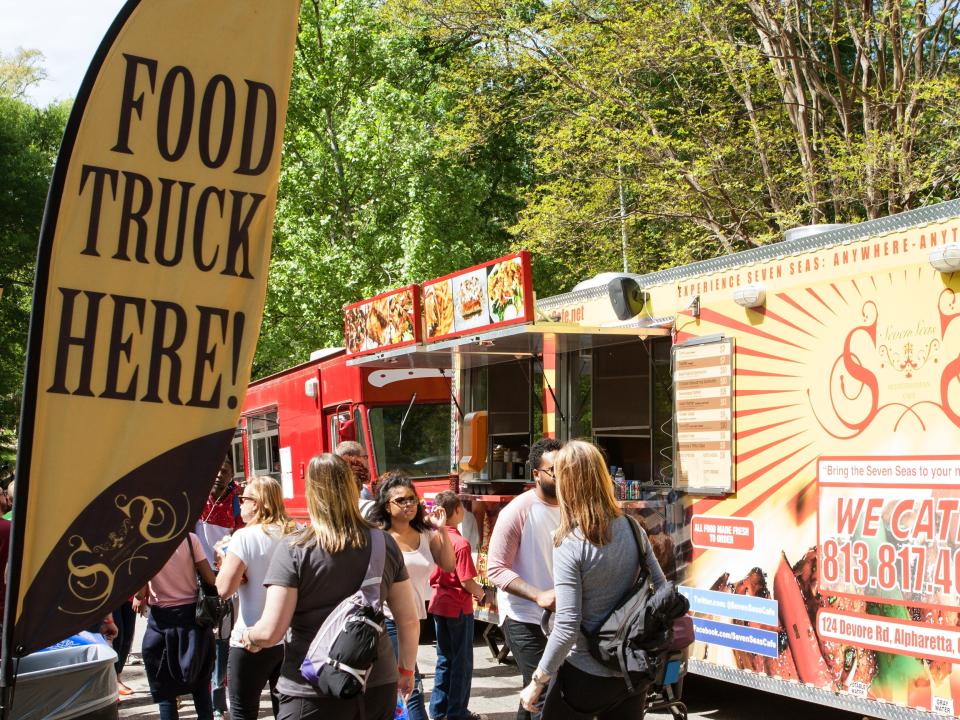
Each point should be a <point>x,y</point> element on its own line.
<point>90,582</point>
<point>118,541</point>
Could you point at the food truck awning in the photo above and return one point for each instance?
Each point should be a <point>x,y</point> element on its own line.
<point>510,343</point>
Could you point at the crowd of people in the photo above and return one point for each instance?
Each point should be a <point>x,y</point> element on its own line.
<point>558,548</point>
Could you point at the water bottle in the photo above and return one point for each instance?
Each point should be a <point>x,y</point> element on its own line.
<point>619,481</point>
<point>401,712</point>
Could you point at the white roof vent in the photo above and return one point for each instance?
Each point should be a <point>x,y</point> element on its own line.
<point>601,280</point>
<point>810,230</point>
<point>325,353</point>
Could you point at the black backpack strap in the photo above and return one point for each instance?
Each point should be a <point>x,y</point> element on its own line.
<point>643,572</point>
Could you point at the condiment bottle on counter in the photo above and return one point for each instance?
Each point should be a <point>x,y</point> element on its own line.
<point>620,483</point>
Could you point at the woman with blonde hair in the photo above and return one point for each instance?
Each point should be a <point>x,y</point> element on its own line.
<point>243,568</point>
<point>593,545</point>
<point>310,574</point>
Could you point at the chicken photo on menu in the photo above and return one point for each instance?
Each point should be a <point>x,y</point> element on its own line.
<point>505,290</point>
<point>401,318</point>
<point>438,308</point>
<point>470,300</point>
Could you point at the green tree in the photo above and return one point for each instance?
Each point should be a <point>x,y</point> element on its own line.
<point>371,195</point>
<point>29,138</point>
<point>19,70</point>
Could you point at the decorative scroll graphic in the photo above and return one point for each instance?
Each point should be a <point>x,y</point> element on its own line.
<point>855,392</point>
<point>93,570</point>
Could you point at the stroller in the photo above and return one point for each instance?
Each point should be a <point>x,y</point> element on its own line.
<point>665,693</point>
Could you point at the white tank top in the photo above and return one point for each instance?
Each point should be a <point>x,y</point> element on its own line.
<point>420,566</point>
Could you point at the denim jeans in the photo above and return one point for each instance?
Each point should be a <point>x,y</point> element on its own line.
<point>126,622</point>
<point>527,643</point>
<point>451,685</point>
<point>201,701</point>
<point>218,682</point>
<point>415,708</point>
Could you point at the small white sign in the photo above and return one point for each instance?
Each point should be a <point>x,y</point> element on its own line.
<point>286,472</point>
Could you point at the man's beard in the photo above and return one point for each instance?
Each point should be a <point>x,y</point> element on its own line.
<point>548,489</point>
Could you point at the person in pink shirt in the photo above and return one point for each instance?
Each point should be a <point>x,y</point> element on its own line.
<point>452,610</point>
<point>520,562</point>
<point>177,653</point>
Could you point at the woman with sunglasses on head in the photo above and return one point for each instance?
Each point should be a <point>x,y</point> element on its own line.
<point>425,544</point>
<point>595,563</point>
<point>243,569</point>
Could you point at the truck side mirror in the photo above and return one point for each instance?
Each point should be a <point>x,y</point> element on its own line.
<point>346,427</point>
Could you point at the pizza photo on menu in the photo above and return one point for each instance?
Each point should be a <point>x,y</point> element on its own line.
<point>470,300</point>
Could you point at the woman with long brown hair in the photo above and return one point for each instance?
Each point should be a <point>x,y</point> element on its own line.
<point>309,575</point>
<point>243,569</point>
<point>594,546</point>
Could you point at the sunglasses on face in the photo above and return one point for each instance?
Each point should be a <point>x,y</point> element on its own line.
<point>247,498</point>
<point>405,501</point>
<point>547,471</point>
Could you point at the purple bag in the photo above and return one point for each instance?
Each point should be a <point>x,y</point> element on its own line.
<point>682,633</point>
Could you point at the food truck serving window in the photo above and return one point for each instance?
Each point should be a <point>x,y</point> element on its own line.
<point>422,448</point>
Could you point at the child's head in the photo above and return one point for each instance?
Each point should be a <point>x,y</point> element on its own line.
<point>451,506</point>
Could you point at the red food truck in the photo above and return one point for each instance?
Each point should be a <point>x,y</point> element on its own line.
<point>400,416</point>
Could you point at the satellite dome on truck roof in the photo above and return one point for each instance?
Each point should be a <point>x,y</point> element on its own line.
<point>324,353</point>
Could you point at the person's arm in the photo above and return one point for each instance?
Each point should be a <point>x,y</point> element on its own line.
<point>274,621</point>
<point>442,549</point>
<point>141,602</point>
<point>206,572</point>
<point>502,552</point>
<point>403,606</point>
<point>653,565</point>
<point>566,624</point>
<point>473,587</point>
<point>230,576</point>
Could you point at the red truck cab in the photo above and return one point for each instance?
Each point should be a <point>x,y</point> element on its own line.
<point>400,416</point>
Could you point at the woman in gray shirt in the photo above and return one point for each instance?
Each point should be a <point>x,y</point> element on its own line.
<point>595,563</point>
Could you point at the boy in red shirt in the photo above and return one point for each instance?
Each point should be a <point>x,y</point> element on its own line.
<point>452,610</point>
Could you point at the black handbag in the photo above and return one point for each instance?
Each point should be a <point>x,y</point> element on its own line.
<point>210,608</point>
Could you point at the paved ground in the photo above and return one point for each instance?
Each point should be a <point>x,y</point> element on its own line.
<point>496,689</point>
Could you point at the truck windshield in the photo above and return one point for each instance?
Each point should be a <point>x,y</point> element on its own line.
<point>424,449</point>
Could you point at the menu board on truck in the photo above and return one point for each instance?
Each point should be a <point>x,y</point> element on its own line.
<point>703,415</point>
<point>384,322</point>
<point>495,294</point>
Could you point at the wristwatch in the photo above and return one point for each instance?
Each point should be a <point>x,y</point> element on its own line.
<point>541,678</point>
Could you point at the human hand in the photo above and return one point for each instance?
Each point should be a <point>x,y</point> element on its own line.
<point>140,605</point>
<point>547,599</point>
<point>108,628</point>
<point>530,696</point>
<point>437,517</point>
<point>405,685</point>
<point>248,644</point>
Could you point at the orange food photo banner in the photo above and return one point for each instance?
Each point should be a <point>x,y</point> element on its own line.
<point>385,322</point>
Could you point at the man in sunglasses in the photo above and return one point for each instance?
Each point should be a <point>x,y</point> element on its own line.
<point>520,562</point>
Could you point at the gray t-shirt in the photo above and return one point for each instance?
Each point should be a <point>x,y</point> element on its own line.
<point>323,581</point>
<point>590,580</point>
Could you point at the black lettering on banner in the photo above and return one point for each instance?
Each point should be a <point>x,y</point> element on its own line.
<point>160,350</point>
<point>254,90</point>
<point>166,186</point>
<point>206,356</point>
<point>130,104</point>
<point>186,113</point>
<point>198,224</point>
<point>138,216</point>
<point>229,117</point>
<point>120,346</point>
<point>86,342</point>
<point>239,237</point>
<point>93,228</point>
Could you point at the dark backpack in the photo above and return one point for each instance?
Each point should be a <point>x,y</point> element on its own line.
<point>637,634</point>
<point>345,647</point>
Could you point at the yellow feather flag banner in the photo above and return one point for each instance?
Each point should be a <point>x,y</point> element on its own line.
<point>148,300</point>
